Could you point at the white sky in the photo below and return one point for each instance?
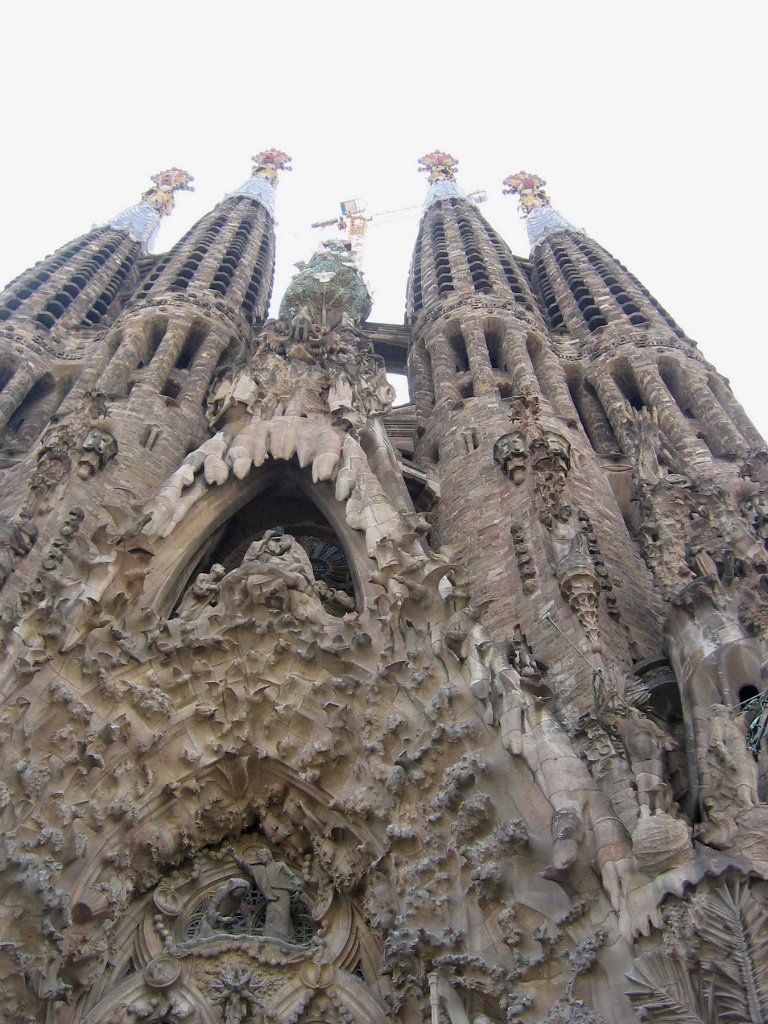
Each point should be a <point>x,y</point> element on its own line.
<point>646,119</point>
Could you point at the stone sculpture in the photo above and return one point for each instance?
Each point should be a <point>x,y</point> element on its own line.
<point>488,760</point>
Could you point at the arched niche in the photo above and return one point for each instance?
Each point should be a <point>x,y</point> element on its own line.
<point>226,518</point>
<point>155,953</point>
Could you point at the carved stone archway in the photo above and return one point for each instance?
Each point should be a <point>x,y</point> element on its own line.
<point>197,534</point>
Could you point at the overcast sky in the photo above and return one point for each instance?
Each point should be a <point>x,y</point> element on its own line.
<point>645,119</point>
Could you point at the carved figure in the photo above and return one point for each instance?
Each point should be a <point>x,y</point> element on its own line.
<point>646,744</point>
<point>221,912</point>
<point>529,730</point>
<point>16,540</point>
<point>201,594</point>
<point>511,452</point>
<point>575,569</point>
<point>563,531</point>
<point>276,572</point>
<point>336,601</point>
<point>550,456</point>
<point>276,881</point>
<point>98,447</point>
<point>729,775</point>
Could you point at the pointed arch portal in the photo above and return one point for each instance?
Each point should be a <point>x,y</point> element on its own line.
<point>227,519</point>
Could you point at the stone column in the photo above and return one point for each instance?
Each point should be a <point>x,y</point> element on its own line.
<point>166,356</point>
<point>615,407</point>
<point>723,437</point>
<point>202,369</point>
<point>88,379</point>
<point>746,427</point>
<point>551,378</point>
<point>420,381</point>
<point>657,397</point>
<point>478,358</point>
<point>15,391</point>
<point>596,424</point>
<point>443,370</point>
<point>517,359</point>
<point>114,380</point>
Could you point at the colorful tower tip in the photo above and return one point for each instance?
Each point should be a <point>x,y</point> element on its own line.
<point>529,188</point>
<point>439,166</point>
<point>268,163</point>
<point>166,183</point>
<point>142,220</point>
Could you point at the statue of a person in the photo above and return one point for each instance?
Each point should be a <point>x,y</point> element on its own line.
<point>276,882</point>
<point>729,776</point>
<point>646,745</point>
<point>276,572</point>
<point>511,452</point>
<point>16,540</point>
<point>221,912</point>
<point>201,594</point>
<point>336,601</point>
<point>98,447</point>
<point>529,730</point>
<point>563,532</point>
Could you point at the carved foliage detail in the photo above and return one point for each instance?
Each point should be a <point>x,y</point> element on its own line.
<point>724,934</point>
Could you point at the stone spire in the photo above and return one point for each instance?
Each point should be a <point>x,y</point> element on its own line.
<point>540,217</point>
<point>263,180</point>
<point>142,220</point>
<point>441,170</point>
<point>456,249</point>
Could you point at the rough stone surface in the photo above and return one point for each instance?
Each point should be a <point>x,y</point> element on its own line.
<point>316,710</point>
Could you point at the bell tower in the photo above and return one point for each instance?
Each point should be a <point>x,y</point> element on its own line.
<point>195,308</point>
<point>478,341</point>
<point>53,316</point>
<point>635,354</point>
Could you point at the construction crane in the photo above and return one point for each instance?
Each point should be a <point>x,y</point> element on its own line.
<point>354,221</point>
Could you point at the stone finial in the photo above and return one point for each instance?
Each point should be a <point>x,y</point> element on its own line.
<point>439,166</point>
<point>268,163</point>
<point>263,180</point>
<point>541,219</point>
<point>166,183</point>
<point>142,220</point>
<point>441,169</point>
<point>530,189</point>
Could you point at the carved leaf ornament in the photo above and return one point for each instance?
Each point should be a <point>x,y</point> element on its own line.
<point>731,927</point>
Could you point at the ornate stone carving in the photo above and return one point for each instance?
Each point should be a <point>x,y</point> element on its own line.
<point>529,729</point>
<point>16,541</point>
<point>237,993</point>
<point>511,453</point>
<point>326,290</point>
<point>525,563</point>
<point>550,456</point>
<point>646,745</point>
<point>201,594</point>
<point>714,966</point>
<point>84,437</point>
<point>276,572</point>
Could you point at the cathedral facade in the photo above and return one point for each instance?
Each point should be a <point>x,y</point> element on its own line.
<point>320,711</point>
